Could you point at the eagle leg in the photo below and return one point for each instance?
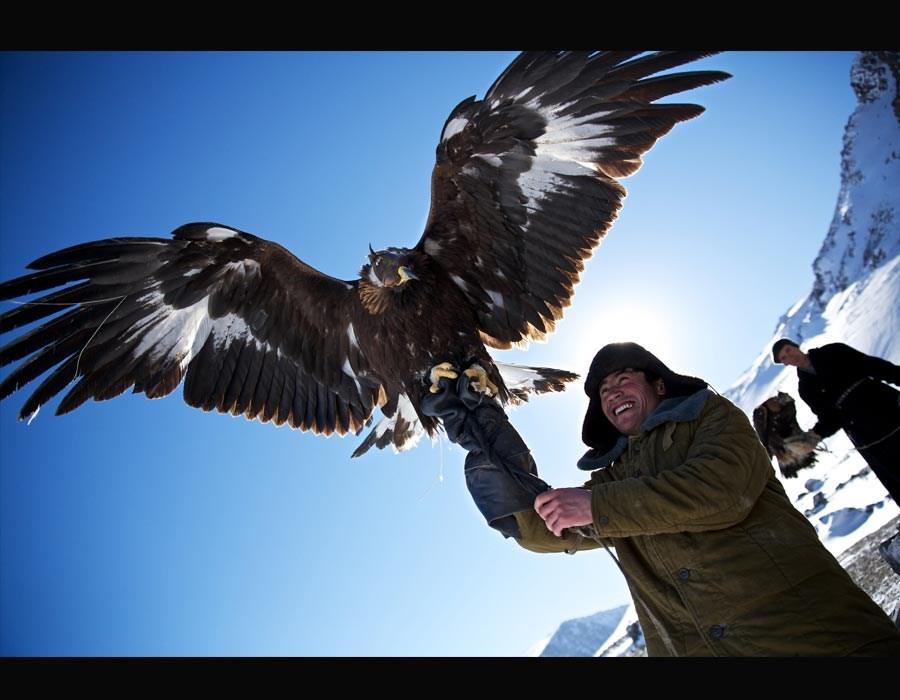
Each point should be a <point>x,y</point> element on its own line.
<point>481,382</point>
<point>438,372</point>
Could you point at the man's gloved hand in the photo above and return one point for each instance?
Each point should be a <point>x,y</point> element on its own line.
<point>500,472</point>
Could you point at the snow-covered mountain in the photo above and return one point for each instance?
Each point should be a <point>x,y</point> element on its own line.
<point>855,299</point>
<point>581,636</point>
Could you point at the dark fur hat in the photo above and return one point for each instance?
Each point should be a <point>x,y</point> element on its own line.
<point>780,344</point>
<point>597,431</point>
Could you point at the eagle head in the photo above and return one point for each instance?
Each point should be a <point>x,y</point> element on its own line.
<point>391,268</point>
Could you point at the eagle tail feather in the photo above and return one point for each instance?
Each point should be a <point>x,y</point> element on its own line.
<point>400,427</point>
<point>522,381</point>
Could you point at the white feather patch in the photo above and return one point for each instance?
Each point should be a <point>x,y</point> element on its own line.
<point>550,163</point>
<point>382,427</point>
<point>406,411</point>
<point>496,297</point>
<point>582,150</point>
<point>348,370</point>
<point>575,127</point>
<point>248,268</point>
<point>521,95</point>
<point>203,331</point>
<point>172,334</point>
<point>33,415</point>
<point>454,126</point>
<point>568,146</point>
<point>218,233</point>
<point>571,138</point>
<point>517,376</point>
<point>352,335</point>
<point>228,327</point>
<point>536,184</point>
<point>490,159</point>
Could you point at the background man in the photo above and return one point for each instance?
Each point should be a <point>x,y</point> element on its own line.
<point>845,389</point>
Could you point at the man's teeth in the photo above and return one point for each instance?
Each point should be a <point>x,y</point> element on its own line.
<point>623,407</point>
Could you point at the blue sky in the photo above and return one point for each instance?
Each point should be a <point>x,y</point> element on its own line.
<point>138,527</point>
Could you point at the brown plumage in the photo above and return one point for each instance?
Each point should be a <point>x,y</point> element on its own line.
<point>523,189</point>
<point>775,421</point>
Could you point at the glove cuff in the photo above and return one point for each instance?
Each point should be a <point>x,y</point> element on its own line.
<point>500,493</point>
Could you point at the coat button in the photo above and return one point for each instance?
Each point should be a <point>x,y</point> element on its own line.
<point>717,631</point>
<point>603,520</point>
<point>684,574</point>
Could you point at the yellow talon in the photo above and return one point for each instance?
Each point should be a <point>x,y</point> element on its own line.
<point>445,370</point>
<point>481,383</point>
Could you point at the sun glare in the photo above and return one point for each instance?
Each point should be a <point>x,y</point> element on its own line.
<point>634,322</point>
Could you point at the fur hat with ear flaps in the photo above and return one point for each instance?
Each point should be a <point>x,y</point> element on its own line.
<point>597,431</point>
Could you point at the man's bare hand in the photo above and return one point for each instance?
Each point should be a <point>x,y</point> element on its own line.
<point>562,508</point>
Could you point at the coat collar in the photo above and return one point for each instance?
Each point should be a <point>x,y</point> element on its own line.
<point>679,409</point>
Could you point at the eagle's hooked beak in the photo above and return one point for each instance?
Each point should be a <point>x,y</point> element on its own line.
<point>399,278</point>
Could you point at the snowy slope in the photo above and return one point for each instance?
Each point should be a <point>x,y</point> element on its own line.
<point>626,640</point>
<point>855,299</point>
<point>865,315</point>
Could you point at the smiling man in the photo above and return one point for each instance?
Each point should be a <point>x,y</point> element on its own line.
<point>628,397</point>
<point>717,559</point>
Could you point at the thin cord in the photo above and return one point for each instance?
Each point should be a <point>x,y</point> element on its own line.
<point>78,361</point>
<point>60,303</point>
<point>440,479</point>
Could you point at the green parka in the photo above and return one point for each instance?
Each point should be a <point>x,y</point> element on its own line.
<point>717,559</point>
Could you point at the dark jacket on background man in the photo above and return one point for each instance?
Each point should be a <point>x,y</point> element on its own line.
<point>846,391</point>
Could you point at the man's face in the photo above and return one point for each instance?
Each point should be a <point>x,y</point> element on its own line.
<point>627,398</point>
<point>790,355</point>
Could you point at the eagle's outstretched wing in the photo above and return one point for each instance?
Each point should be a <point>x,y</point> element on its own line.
<point>257,331</point>
<point>525,183</point>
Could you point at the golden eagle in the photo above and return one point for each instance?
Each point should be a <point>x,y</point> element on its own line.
<point>775,421</point>
<point>524,186</point>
